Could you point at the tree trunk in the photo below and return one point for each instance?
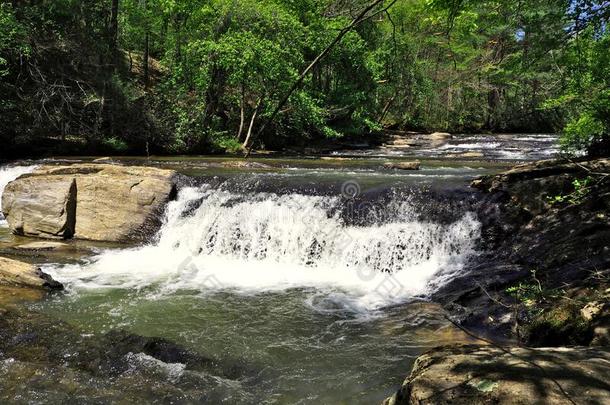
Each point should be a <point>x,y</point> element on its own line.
<point>386,108</point>
<point>241,113</point>
<point>145,59</point>
<point>251,126</point>
<point>114,33</point>
<point>146,47</point>
<point>356,21</point>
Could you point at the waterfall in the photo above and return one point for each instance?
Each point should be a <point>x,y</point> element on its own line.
<point>8,174</point>
<point>249,242</point>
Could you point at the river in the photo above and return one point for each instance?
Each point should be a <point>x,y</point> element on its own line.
<point>310,276</point>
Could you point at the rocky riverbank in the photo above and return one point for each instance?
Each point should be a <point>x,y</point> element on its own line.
<point>546,228</point>
<point>41,355</point>
<point>489,375</point>
<point>544,282</point>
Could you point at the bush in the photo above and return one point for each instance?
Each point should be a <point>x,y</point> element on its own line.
<point>581,133</point>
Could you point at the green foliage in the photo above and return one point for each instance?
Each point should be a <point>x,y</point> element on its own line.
<point>582,187</point>
<point>217,69</point>
<point>531,294</point>
<point>561,324</point>
<point>581,132</point>
<point>226,143</point>
<point>115,145</point>
<point>585,99</point>
<point>13,38</point>
<point>527,293</point>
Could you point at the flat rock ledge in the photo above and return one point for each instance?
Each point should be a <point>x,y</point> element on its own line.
<point>473,374</point>
<point>20,274</point>
<point>99,202</point>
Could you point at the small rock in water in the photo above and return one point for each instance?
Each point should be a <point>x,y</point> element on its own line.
<point>471,155</point>
<point>439,136</point>
<point>21,274</point>
<point>105,159</point>
<point>335,158</point>
<point>41,246</point>
<point>414,165</point>
<point>244,164</point>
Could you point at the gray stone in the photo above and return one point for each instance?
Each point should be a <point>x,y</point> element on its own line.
<point>41,205</point>
<point>89,201</point>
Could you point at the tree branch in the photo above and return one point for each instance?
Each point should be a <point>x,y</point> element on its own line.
<point>355,22</point>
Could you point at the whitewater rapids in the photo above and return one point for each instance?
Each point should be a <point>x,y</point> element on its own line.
<point>217,240</point>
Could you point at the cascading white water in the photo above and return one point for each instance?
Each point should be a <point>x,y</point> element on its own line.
<point>8,174</point>
<point>215,240</point>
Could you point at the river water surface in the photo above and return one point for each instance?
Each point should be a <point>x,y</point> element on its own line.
<point>309,275</point>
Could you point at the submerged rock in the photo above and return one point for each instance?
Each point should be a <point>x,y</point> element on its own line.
<point>105,159</point>
<point>471,155</point>
<point>490,375</point>
<point>20,274</point>
<point>89,201</point>
<point>439,136</point>
<point>41,246</point>
<point>42,357</point>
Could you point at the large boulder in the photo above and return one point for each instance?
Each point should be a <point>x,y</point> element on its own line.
<point>42,205</point>
<point>89,201</point>
<point>490,375</point>
<point>19,274</point>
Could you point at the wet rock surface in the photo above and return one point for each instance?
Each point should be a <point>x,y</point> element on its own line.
<point>41,246</point>
<point>21,274</point>
<point>548,244</point>
<point>402,165</point>
<point>489,375</point>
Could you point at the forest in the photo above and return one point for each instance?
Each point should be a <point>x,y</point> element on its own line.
<point>209,76</point>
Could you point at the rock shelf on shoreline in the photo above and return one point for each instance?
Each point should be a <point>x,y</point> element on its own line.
<point>490,375</point>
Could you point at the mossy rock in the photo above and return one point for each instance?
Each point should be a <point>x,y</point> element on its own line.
<point>559,326</point>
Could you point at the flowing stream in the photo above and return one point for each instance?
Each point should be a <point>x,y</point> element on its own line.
<point>308,278</point>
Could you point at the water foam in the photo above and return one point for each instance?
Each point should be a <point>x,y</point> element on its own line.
<point>474,146</point>
<point>8,174</point>
<point>216,240</point>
